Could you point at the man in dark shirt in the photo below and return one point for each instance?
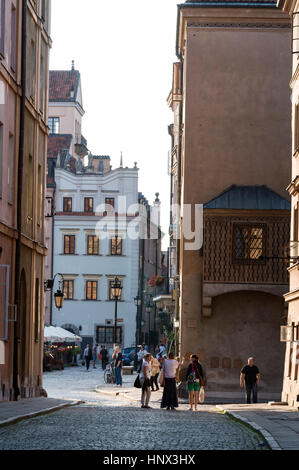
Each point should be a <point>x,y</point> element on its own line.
<point>251,375</point>
<point>104,355</point>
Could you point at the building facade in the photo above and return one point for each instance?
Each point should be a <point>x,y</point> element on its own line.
<point>229,167</point>
<point>290,334</point>
<point>65,138</point>
<point>24,51</point>
<point>96,215</point>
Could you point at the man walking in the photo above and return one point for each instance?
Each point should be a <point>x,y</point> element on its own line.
<point>87,356</point>
<point>252,376</point>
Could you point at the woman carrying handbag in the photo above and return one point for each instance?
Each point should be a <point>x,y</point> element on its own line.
<point>145,381</point>
<point>195,382</point>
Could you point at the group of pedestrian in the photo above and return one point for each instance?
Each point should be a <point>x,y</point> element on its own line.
<point>167,369</point>
<point>91,354</point>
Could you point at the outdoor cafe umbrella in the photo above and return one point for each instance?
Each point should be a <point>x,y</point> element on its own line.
<point>56,334</point>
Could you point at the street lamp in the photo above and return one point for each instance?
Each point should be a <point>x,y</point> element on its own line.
<point>148,310</point>
<point>137,301</point>
<point>59,295</point>
<point>116,290</point>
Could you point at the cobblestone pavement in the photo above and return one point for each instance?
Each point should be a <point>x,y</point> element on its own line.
<point>114,423</point>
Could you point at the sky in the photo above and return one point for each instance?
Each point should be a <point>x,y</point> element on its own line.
<point>124,50</point>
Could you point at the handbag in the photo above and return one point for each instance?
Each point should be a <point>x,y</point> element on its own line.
<point>83,363</point>
<point>162,378</point>
<point>137,383</point>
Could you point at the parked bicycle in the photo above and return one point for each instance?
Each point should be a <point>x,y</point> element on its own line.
<point>109,374</point>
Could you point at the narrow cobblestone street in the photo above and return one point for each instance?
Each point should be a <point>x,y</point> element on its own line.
<point>106,422</point>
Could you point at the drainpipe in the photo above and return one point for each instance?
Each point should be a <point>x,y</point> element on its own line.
<point>52,254</point>
<point>19,198</point>
<point>178,250</point>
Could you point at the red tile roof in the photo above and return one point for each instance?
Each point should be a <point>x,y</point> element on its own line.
<point>61,84</point>
<point>57,143</point>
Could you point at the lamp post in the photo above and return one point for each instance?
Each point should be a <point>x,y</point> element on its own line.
<point>137,301</point>
<point>116,290</point>
<point>58,295</point>
<point>148,310</point>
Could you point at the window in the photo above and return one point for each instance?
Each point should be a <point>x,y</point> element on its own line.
<point>92,245</point>
<point>116,245</point>
<point>111,282</point>
<point>67,204</point>
<point>109,203</point>
<point>2,27</point>
<point>248,243</point>
<point>32,69</point>
<point>296,128</point>
<point>37,310</point>
<point>10,169</point>
<point>295,32</point>
<point>54,124</point>
<point>13,38</point>
<point>69,244</point>
<point>1,157</point>
<point>88,204</point>
<point>91,290</point>
<point>105,334</point>
<point>68,289</point>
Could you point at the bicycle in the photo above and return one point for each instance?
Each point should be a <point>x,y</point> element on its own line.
<point>109,375</point>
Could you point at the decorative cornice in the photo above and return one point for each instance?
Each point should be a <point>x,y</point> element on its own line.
<point>241,25</point>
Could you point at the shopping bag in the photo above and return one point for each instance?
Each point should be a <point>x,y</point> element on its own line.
<point>202,395</point>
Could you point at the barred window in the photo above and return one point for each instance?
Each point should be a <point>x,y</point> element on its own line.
<point>91,290</point>
<point>248,243</point>
<point>68,289</point>
<point>92,245</point>
<point>105,334</point>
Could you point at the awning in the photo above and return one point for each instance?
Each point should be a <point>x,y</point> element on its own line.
<point>56,334</point>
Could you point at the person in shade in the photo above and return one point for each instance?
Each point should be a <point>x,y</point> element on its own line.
<point>250,374</point>
<point>170,396</point>
<point>194,379</point>
<point>87,356</point>
<point>145,380</point>
<point>104,357</point>
<point>94,355</point>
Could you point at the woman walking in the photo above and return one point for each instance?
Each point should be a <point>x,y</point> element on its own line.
<point>170,397</point>
<point>145,381</point>
<point>194,379</point>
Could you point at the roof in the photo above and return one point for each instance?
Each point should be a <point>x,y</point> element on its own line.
<point>57,143</point>
<point>61,83</point>
<point>249,197</point>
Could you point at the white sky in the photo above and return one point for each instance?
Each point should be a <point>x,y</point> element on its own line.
<point>124,50</point>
